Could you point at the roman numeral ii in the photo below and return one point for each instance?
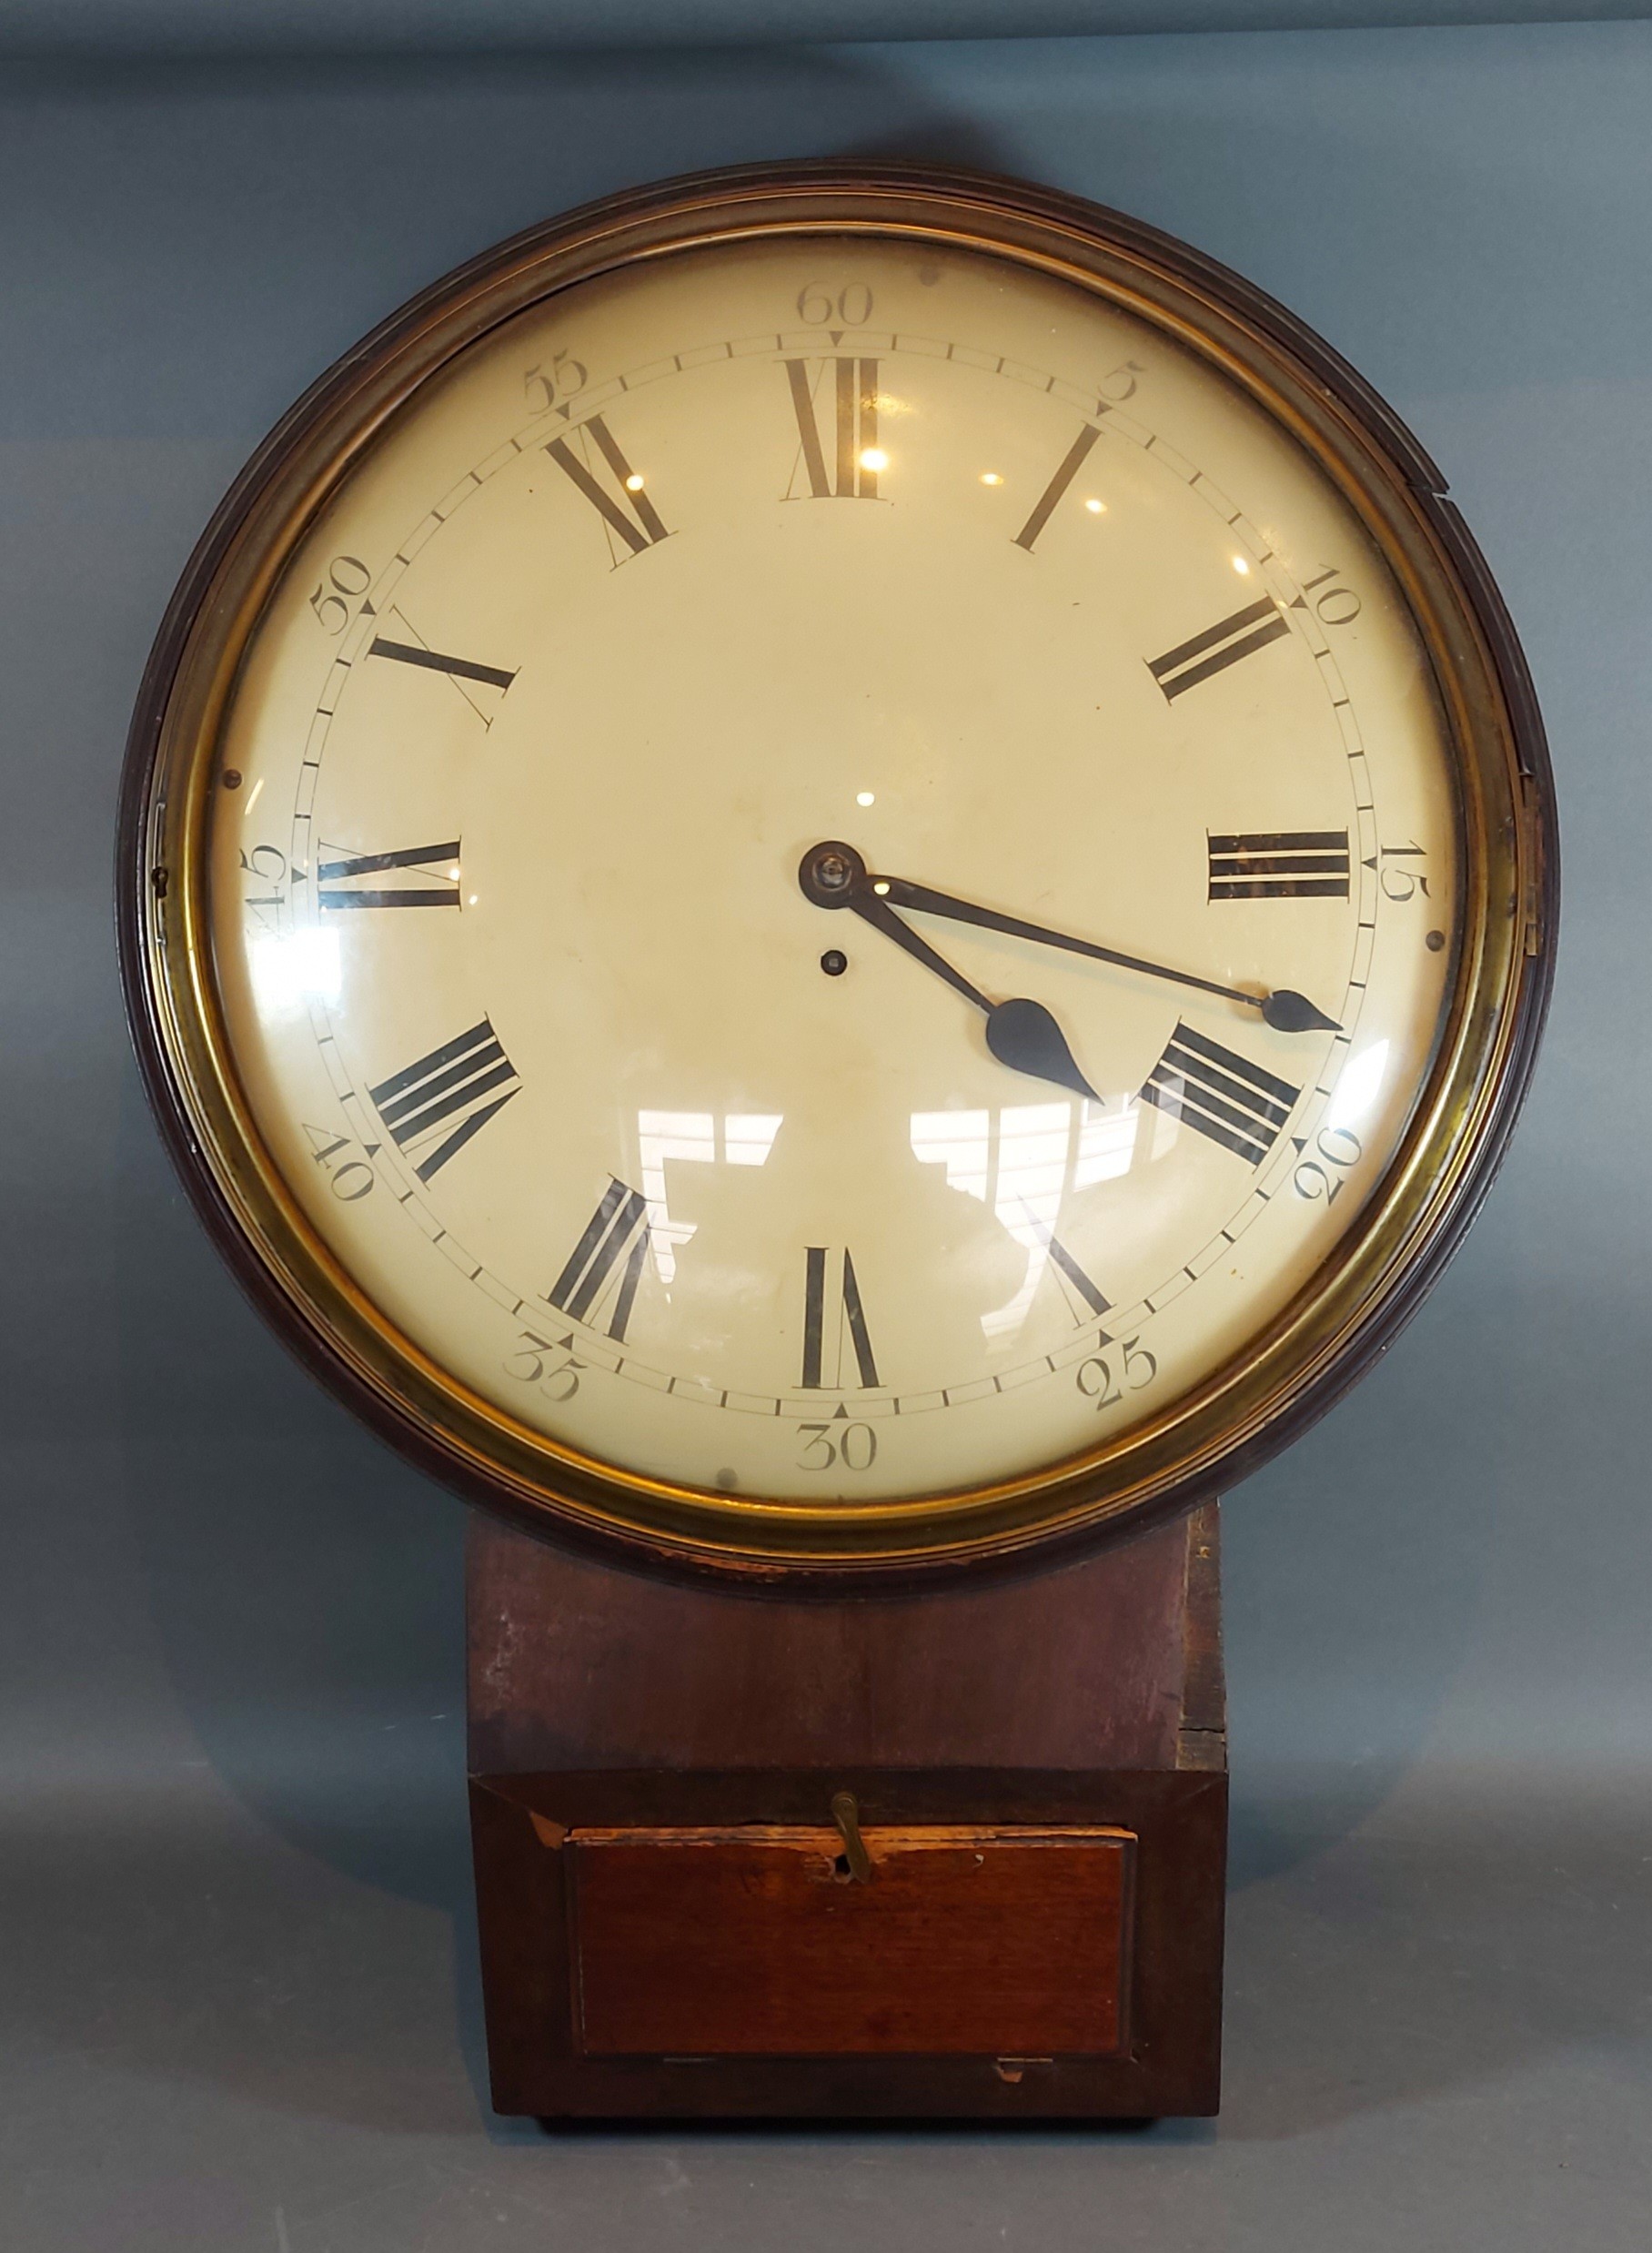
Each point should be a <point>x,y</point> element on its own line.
<point>1218,647</point>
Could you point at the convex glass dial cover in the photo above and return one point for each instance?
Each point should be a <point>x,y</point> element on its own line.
<point>832,867</point>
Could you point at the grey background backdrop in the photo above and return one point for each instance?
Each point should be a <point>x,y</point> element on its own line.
<point>237,1997</point>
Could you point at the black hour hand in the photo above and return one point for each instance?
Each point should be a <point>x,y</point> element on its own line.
<point>1020,1034</point>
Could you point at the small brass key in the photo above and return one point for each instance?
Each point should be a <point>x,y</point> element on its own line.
<point>846,1814</point>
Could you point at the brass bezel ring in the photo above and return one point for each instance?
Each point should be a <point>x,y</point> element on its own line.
<point>1288,1373</point>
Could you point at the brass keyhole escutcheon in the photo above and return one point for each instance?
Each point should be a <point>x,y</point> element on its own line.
<point>846,1814</point>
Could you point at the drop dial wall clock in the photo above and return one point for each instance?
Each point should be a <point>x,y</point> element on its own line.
<point>831,876</point>
<point>837,868</point>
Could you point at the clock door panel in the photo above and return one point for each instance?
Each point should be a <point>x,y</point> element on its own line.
<point>760,1940</point>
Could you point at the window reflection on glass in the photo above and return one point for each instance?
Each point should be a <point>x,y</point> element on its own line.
<point>1359,1083</point>
<point>1021,1162</point>
<point>696,1137</point>
<point>292,968</point>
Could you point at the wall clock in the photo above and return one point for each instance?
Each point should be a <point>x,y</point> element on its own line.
<point>834,872</point>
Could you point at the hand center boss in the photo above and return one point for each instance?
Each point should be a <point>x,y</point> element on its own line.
<point>1020,1034</point>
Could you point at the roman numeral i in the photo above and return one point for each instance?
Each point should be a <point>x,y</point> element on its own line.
<point>845,464</point>
<point>1280,864</point>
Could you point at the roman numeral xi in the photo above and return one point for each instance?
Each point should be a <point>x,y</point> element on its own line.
<point>842,464</point>
<point>1223,1096</point>
<point>622,503</point>
<point>433,1107</point>
<point>1280,864</point>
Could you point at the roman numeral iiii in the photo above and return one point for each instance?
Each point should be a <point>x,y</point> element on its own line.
<point>1223,1096</point>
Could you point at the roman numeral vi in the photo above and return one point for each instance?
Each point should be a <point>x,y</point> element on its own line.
<point>826,1317</point>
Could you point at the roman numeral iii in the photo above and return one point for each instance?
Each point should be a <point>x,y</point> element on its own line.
<point>1280,864</point>
<point>431,879</point>
<point>1223,1096</point>
<point>832,1316</point>
<point>451,1093</point>
<point>625,510</point>
<point>843,463</point>
<point>1218,647</point>
<point>605,1266</point>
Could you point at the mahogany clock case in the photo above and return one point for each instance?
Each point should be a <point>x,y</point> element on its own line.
<point>1461,1128</point>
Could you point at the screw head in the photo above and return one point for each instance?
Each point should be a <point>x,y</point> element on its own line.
<point>833,963</point>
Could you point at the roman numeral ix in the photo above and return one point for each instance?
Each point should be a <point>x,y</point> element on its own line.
<point>1218,647</point>
<point>823,1336</point>
<point>435,868</point>
<point>632,517</point>
<point>618,1231</point>
<point>1280,864</point>
<point>458,1087</point>
<point>1222,1095</point>
<point>844,466</point>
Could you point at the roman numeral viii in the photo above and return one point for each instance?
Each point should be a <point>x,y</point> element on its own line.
<point>1222,1095</point>
<point>451,1093</point>
<point>632,517</point>
<point>1280,864</point>
<point>1218,647</point>
<point>605,1266</point>
<point>431,878</point>
<point>827,1315</point>
<point>843,465</point>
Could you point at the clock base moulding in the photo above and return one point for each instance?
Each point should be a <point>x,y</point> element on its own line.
<point>957,1855</point>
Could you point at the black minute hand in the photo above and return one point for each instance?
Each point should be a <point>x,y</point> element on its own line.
<point>1285,1011</point>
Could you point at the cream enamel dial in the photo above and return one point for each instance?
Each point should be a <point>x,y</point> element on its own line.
<point>833,875</point>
